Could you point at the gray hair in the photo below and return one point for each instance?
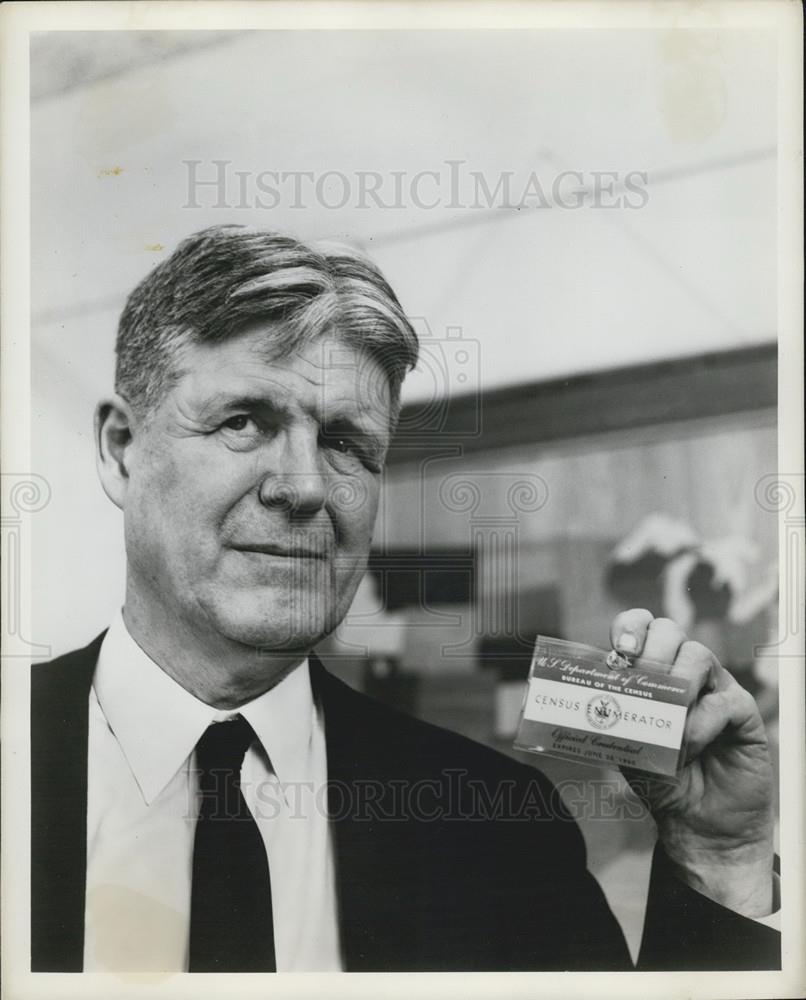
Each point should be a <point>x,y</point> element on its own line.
<point>220,280</point>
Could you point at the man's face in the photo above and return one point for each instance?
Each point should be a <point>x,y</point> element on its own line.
<point>253,490</point>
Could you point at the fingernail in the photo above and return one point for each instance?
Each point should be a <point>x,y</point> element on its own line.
<point>627,643</point>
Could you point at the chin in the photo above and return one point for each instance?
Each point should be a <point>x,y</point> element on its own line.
<point>272,631</point>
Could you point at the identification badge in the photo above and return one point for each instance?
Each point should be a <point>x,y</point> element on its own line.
<point>588,705</point>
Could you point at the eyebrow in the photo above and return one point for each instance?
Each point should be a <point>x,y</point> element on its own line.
<point>225,400</point>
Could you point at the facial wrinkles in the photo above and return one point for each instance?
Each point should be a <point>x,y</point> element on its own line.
<point>185,420</point>
<point>250,519</point>
<point>194,414</point>
<point>203,406</point>
<point>282,411</point>
<point>207,389</point>
<point>329,395</point>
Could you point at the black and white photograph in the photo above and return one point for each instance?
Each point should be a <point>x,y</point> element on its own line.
<point>402,499</point>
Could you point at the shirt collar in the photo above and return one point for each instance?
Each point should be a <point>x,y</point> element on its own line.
<point>157,723</point>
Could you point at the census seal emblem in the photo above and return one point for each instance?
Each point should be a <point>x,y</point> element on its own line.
<point>603,711</point>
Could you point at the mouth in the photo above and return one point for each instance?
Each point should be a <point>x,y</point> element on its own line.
<point>283,551</point>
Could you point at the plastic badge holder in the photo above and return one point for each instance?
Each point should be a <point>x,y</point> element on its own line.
<point>588,705</point>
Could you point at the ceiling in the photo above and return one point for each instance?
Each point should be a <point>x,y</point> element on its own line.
<point>536,286</point>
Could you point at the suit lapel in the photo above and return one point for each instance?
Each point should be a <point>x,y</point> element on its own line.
<point>59,705</point>
<point>379,914</point>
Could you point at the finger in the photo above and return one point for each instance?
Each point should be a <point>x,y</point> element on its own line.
<point>628,630</point>
<point>663,641</point>
<point>716,711</point>
<point>704,723</point>
<point>698,665</point>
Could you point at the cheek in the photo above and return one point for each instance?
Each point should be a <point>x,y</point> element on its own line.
<point>179,500</point>
<point>354,506</point>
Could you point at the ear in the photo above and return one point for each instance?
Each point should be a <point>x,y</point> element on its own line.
<point>114,434</point>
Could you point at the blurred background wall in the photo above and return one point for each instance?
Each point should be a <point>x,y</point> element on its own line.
<point>609,343</point>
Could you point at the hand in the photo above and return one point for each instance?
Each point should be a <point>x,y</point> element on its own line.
<point>716,821</point>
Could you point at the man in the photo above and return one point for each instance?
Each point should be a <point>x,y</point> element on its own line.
<point>206,797</point>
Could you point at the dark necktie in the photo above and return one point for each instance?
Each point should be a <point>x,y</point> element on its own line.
<point>231,927</point>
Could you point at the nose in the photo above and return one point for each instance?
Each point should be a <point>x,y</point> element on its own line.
<point>296,482</point>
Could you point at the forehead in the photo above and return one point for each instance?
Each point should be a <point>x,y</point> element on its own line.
<point>321,373</point>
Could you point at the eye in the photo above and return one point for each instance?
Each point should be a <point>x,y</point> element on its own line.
<point>338,441</point>
<point>341,444</point>
<point>238,422</point>
<point>241,431</point>
<point>354,451</point>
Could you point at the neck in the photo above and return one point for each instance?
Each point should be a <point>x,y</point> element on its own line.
<point>217,670</point>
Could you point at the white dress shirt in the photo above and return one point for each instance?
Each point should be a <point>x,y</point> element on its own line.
<point>142,808</point>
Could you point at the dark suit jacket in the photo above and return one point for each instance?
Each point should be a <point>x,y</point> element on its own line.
<point>449,856</point>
